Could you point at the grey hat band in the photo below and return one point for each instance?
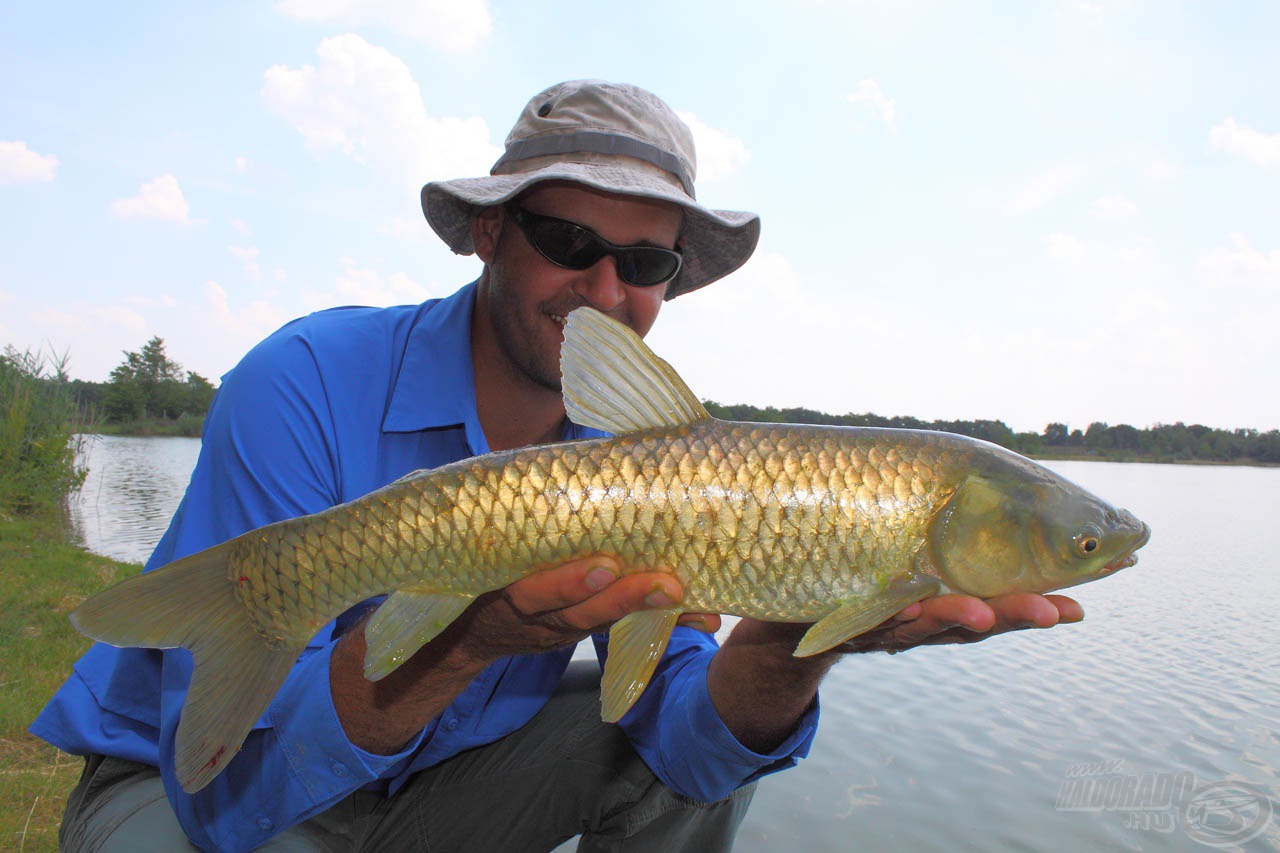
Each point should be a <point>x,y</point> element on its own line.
<point>596,142</point>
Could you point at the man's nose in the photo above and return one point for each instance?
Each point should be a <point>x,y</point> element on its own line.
<point>600,285</point>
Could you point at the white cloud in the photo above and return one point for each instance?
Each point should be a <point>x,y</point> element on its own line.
<point>94,335</point>
<point>242,228</point>
<point>1081,9</point>
<point>163,300</point>
<point>1243,141</point>
<point>411,229</point>
<point>1043,188</point>
<point>243,164</point>
<point>20,165</point>
<point>1120,283</point>
<point>1162,171</point>
<point>7,298</point>
<point>362,100</point>
<point>719,154</point>
<point>358,285</point>
<point>83,317</point>
<point>453,26</point>
<point>1113,207</point>
<point>157,199</point>
<point>249,323</point>
<point>1240,267</point>
<point>1103,331</point>
<point>869,92</point>
<point>248,258</point>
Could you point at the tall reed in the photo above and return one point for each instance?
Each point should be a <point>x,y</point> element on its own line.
<point>39,442</point>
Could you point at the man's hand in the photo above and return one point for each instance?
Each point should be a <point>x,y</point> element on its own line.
<point>564,605</point>
<point>761,690</point>
<point>957,618</point>
<point>547,610</point>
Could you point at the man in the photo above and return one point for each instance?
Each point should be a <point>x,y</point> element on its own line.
<point>471,744</point>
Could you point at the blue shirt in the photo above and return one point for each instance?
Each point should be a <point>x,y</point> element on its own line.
<point>327,409</point>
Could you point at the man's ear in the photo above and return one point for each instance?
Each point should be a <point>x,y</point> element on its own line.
<point>486,229</point>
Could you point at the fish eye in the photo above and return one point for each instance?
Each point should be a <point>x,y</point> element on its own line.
<point>1087,540</point>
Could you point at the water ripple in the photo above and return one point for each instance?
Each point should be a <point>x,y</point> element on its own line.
<point>133,487</point>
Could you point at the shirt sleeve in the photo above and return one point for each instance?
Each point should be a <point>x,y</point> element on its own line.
<point>677,731</point>
<point>267,455</point>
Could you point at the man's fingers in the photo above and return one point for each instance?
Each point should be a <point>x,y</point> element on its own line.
<point>563,586</point>
<point>708,623</point>
<point>1023,610</point>
<point>648,591</point>
<point>954,611</point>
<point>1069,610</point>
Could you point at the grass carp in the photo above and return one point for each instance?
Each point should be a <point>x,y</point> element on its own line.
<point>837,526</point>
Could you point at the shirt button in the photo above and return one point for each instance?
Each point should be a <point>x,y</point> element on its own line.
<point>265,824</point>
<point>339,769</point>
<point>451,724</point>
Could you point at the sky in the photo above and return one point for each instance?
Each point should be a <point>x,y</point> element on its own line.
<point>1045,211</point>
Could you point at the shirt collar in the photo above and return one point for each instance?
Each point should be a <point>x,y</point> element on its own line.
<point>436,386</point>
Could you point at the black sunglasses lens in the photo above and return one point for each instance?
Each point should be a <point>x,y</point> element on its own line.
<point>566,244</point>
<point>644,267</point>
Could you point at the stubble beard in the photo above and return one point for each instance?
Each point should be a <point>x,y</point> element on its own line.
<point>524,332</point>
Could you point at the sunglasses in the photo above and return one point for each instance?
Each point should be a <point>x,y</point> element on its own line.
<point>569,245</point>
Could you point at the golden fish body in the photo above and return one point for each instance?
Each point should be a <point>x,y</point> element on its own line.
<point>768,521</point>
<point>838,526</point>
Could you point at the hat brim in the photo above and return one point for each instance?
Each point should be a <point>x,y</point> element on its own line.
<point>713,243</point>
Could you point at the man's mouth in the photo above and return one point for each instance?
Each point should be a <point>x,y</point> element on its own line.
<point>558,319</point>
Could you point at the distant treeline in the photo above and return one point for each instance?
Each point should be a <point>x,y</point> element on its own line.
<point>1161,443</point>
<point>148,394</point>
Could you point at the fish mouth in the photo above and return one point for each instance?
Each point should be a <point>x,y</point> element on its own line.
<point>1130,557</point>
<point>1123,563</point>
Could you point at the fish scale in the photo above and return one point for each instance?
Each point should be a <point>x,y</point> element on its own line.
<point>753,520</point>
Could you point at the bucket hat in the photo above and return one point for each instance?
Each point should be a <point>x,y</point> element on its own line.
<point>612,137</point>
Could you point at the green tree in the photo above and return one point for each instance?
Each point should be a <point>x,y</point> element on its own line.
<point>1055,434</point>
<point>148,384</point>
<point>197,394</point>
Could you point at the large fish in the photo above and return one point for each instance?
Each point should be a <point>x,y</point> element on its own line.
<point>842,527</point>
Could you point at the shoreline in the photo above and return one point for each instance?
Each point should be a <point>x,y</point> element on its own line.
<point>181,431</point>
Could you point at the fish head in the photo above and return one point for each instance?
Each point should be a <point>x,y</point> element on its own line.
<point>1029,530</point>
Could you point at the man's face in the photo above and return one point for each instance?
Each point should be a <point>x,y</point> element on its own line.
<point>528,297</point>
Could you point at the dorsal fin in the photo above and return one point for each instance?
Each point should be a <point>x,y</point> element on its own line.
<point>612,381</point>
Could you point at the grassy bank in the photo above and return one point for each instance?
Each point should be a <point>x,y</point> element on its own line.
<point>187,426</point>
<point>43,579</point>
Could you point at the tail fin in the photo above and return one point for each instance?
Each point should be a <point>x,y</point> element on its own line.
<point>192,603</point>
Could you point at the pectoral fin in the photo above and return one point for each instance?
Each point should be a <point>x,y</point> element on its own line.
<point>636,643</point>
<point>404,623</point>
<point>859,615</point>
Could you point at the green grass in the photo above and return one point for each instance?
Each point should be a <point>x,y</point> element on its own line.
<point>42,578</point>
<point>188,426</point>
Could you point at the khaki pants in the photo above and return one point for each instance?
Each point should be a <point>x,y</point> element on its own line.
<point>564,774</point>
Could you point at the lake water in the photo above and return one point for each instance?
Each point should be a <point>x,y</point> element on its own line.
<point>1175,670</point>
